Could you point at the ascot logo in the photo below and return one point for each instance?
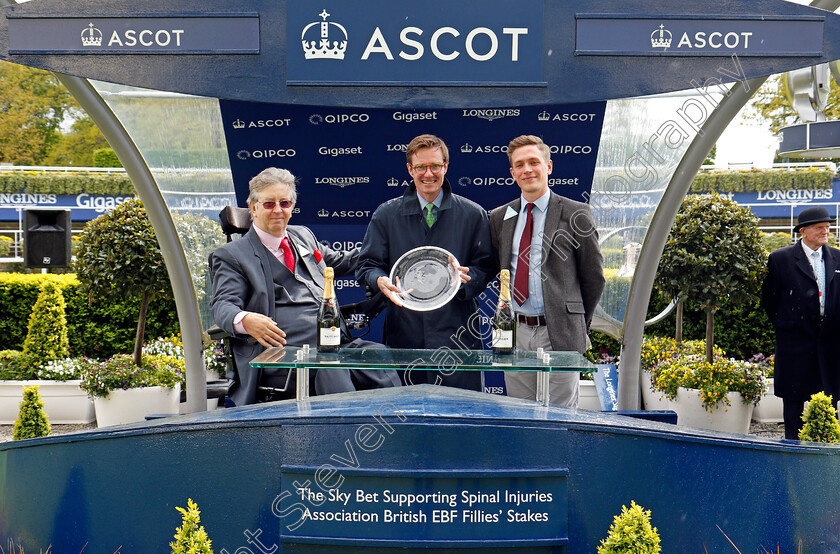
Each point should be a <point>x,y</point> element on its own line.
<point>327,40</point>
<point>91,36</point>
<point>261,123</point>
<point>658,38</point>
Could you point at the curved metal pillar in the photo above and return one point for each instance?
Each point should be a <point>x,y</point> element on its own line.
<point>170,245</point>
<point>660,227</point>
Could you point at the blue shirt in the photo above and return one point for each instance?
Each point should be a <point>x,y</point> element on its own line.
<point>535,304</point>
<point>437,202</point>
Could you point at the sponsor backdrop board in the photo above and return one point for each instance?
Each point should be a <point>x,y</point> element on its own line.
<point>350,160</point>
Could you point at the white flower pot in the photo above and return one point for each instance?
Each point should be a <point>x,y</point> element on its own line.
<point>769,408</point>
<point>654,400</point>
<point>588,395</point>
<point>64,401</point>
<point>128,406</point>
<point>212,404</point>
<point>734,418</point>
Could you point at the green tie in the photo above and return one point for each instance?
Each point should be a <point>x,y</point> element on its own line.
<point>430,214</point>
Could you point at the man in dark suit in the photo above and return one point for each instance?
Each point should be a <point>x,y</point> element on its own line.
<point>802,299</point>
<point>429,214</point>
<point>267,289</point>
<point>550,245</point>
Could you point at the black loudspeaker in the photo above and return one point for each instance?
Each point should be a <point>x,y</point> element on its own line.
<point>46,237</point>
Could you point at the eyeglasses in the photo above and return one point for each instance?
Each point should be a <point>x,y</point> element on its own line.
<point>271,204</point>
<point>436,168</point>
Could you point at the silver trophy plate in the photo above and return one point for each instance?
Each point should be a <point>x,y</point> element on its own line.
<point>426,278</point>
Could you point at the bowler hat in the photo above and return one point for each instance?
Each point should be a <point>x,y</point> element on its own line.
<point>809,216</point>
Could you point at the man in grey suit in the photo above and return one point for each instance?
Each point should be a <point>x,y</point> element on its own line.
<point>550,245</point>
<point>267,289</point>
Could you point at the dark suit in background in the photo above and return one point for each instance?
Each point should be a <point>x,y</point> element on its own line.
<point>807,357</point>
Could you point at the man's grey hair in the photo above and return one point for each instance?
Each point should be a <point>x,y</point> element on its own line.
<point>268,177</point>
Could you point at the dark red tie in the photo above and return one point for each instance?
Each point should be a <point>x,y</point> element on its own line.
<point>288,255</point>
<point>523,263</point>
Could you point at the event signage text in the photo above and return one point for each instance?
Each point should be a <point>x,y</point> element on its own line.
<point>451,508</point>
<point>208,33</point>
<point>676,35</point>
<point>483,42</point>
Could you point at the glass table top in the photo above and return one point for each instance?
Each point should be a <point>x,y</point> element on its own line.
<point>441,358</point>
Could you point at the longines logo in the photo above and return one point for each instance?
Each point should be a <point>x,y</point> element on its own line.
<point>414,116</point>
<point>545,116</point>
<point>397,148</point>
<point>92,37</point>
<point>261,123</point>
<point>394,182</point>
<point>490,115</point>
<point>335,152</point>
<point>279,153</point>
<point>317,119</point>
<point>343,213</point>
<point>326,40</point>
<point>341,181</point>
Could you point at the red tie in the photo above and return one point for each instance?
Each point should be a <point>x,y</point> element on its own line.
<point>288,255</point>
<point>520,282</point>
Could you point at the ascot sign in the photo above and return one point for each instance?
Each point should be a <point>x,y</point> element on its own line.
<point>431,44</point>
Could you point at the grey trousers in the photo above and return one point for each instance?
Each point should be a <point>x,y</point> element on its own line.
<point>563,387</point>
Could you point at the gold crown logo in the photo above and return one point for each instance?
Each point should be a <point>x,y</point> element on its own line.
<point>466,148</point>
<point>658,38</point>
<point>324,46</point>
<point>392,182</point>
<point>323,213</point>
<point>91,36</point>
<point>544,116</point>
<point>238,124</point>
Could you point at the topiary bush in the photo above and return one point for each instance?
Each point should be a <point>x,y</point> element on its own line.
<point>119,256</point>
<point>5,246</point>
<point>713,255</point>
<point>820,420</point>
<point>631,532</point>
<point>46,337</point>
<point>32,421</point>
<point>190,537</point>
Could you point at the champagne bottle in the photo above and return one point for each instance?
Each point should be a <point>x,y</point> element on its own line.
<point>329,321</point>
<point>503,339</point>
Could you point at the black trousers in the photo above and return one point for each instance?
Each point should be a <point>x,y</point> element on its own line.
<point>792,413</point>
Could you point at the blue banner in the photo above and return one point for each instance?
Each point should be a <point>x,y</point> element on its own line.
<point>174,34</point>
<point>483,42</point>
<point>786,203</point>
<point>712,35</point>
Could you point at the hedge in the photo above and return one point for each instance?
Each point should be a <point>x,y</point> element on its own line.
<point>756,180</point>
<point>112,184</point>
<point>98,330</point>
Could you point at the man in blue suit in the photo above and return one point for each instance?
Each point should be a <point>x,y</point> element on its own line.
<point>801,295</point>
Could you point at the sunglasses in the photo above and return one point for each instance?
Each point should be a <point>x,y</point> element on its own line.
<point>271,204</point>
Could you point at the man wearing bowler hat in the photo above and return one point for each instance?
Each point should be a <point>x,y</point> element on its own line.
<point>801,295</point>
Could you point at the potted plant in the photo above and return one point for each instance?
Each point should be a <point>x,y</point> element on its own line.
<point>124,392</point>
<point>717,395</point>
<point>172,349</point>
<point>769,408</point>
<point>656,350</point>
<point>820,419</point>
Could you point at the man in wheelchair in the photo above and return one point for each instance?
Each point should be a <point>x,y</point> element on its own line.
<point>267,288</point>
